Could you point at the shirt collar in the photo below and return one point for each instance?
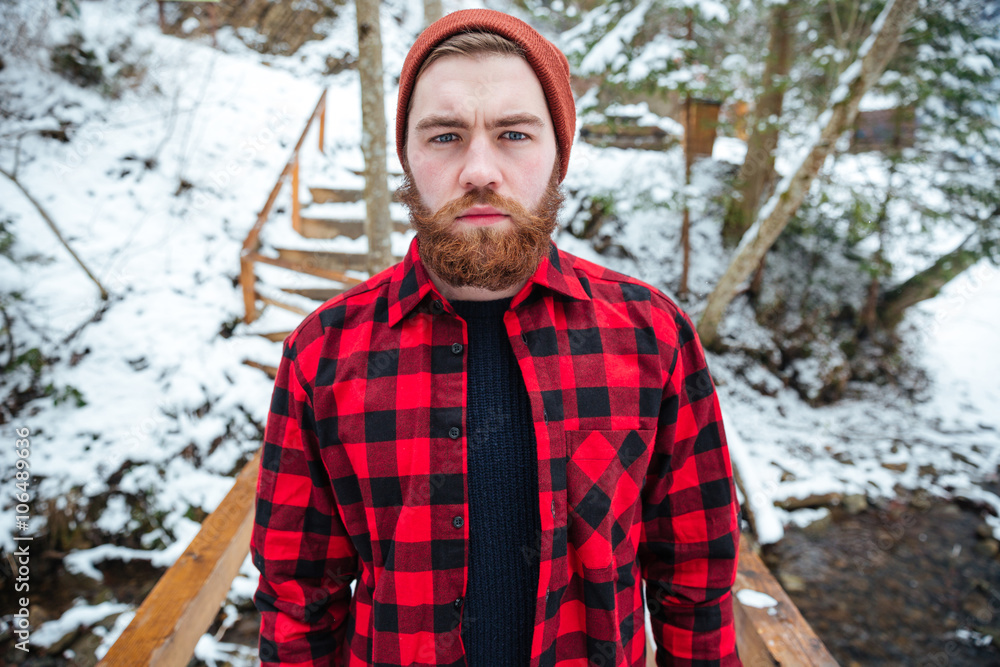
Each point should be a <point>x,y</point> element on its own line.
<point>410,283</point>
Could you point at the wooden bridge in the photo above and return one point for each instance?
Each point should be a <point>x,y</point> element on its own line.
<point>183,604</point>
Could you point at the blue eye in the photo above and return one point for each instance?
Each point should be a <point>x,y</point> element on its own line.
<point>445,138</point>
<point>514,135</point>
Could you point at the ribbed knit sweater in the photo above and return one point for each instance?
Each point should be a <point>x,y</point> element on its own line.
<point>499,611</point>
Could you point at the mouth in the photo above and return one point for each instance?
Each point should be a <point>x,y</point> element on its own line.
<point>482,215</point>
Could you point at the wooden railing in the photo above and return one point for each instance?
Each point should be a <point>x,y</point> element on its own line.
<point>182,605</point>
<point>250,255</point>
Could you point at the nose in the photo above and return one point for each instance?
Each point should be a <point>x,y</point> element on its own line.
<point>482,167</point>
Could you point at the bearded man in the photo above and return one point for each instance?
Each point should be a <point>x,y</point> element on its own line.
<point>496,441</point>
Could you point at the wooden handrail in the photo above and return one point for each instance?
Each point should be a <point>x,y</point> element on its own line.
<point>182,605</point>
<point>252,241</point>
<point>186,599</point>
<point>776,635</point>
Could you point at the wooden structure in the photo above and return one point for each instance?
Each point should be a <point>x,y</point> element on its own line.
<point>884,130</point>
<point>183,604</point>
<point>330,268</point>
<point>701,119</point>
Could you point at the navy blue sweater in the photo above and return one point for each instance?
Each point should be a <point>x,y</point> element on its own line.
<point>504,526</point>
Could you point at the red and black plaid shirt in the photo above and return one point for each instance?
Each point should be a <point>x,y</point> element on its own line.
<point>363,476</point>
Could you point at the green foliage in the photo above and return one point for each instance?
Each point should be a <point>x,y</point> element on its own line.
<point>652,49</point>
<point>70,8</point>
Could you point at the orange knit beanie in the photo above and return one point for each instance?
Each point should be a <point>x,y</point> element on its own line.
<point>549,63</point>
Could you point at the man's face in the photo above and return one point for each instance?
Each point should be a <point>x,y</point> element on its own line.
<point>482,172</point>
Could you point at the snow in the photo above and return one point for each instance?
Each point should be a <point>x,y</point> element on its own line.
<point>755,599</point>
<point>80,615</point>
<point>171,407</point>
<point>608,50</point>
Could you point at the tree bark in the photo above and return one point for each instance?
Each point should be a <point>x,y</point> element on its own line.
<point>378,224</point>
<point>432,11</point>
<point>928,283</point>
<point>775,215</point>
<point>756,176</point>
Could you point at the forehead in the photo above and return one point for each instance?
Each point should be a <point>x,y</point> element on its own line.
<point>463,85</point>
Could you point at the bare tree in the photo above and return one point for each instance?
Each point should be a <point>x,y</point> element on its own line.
<point>432,11</point>
<point>378,224</point>
<point>774,216</point>
<point>757,175</point>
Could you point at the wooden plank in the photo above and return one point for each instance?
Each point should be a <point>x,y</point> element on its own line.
<point>335,195</point>
<point>330,228</point>
<point>781,629</point>
<point>271,301</point>
<point>326,260</point>
<point>303,267</point>
<point>275,336</point>
<point>321,195</point>
<point>185,601</point>
<point>272,371</point>
<point>314,293</point>
<point>752,649</point>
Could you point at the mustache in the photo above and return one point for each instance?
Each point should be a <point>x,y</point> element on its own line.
<point>482,197</point>
<point>491,258</point>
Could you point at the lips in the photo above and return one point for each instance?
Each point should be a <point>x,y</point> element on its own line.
<point>482,215</point>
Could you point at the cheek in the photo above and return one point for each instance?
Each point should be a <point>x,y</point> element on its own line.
<point>430,179</point>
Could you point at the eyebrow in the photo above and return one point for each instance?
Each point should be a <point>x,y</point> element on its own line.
<point>442,121</point>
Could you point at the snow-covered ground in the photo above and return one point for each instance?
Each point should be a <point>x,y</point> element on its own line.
<point>156,192</point>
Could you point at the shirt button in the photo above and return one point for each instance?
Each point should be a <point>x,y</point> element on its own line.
<point>458,522</point>
<point>456,348</point>
<point>553,508</point>
<point>437,306</point>
<point>524,339</point>
<point>454,432</point>
<point>457,603</point>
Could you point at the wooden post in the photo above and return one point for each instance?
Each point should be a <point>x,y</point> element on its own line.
<point>296,206</point>
<point>247,280</point>
<point>182,605</point>
<point>322,127</point>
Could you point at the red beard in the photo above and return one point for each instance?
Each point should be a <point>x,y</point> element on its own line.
<point>486,257</point>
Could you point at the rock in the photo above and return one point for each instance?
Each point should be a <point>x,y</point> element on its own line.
<point>792,582</point>
<point>983,531</point>
<point>989,547</point>
<point>855,503</point>
<point>898,467</point>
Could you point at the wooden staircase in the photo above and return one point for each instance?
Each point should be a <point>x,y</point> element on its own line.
<point>304,252</point>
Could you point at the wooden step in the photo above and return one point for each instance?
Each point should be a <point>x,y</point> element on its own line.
<point>315,293</point>
<point>275,336</point>
<point>282,304</point>
<point>272,371</point>
<point>329,228</point>
<point>321,195</point>
<point>303,267</point>
<point>325,260</point>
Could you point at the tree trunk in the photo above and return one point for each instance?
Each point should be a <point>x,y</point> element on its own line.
<point>756,176</point>
<point>926,284</point>
<point>432,11</point>
<point>873,56</point>
<point>378,224</point>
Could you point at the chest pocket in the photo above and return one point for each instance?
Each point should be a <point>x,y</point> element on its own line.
<point>604,476</point>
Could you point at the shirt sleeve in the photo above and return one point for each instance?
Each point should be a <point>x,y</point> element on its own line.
<point>299,544</point>
<point>690,532</point>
